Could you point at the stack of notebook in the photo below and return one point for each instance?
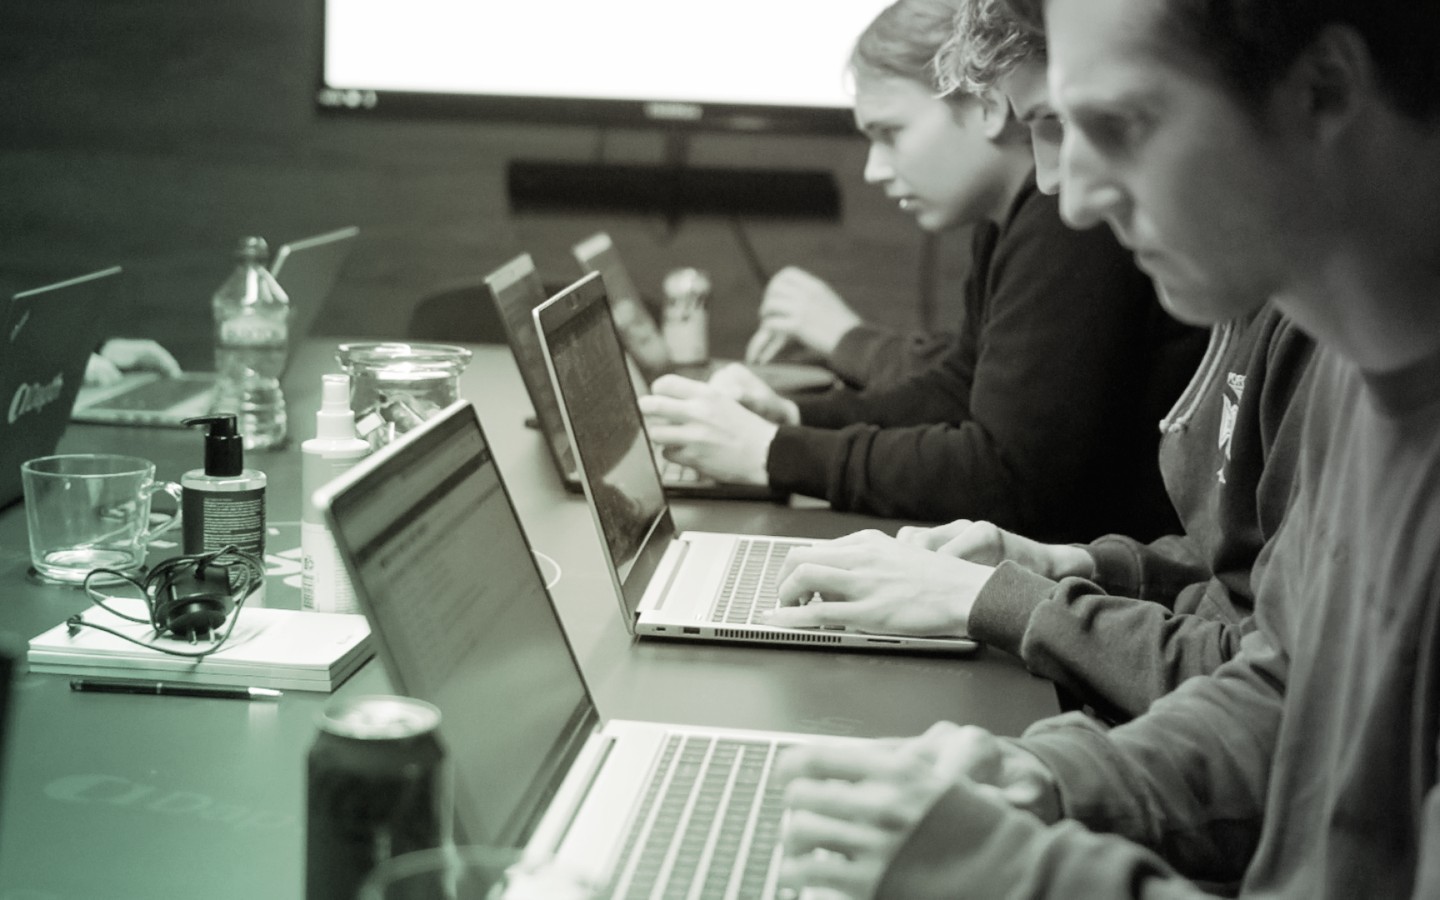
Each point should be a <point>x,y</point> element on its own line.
<point>272,648</point>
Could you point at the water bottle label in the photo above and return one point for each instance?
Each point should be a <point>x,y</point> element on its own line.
<point>252,330</point>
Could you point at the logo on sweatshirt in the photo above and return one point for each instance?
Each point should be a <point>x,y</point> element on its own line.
<point>1229,412</point>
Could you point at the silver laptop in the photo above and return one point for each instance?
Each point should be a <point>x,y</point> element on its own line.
<point>306,269</point>
<point>516,291</point>
<point>642,340</point>
<point>700,585</point>
<point>48,335</point>
<point>460,617</point>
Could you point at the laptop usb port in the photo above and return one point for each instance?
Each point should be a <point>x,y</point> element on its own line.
<point>690,629</point>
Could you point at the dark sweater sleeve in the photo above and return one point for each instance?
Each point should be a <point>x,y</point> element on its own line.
<point>1018,421</point>
<point>1187,780</point>
<point>871,356</point>
<point>966,846</point>
<point>1156,571</point>
<point>1117,654</point>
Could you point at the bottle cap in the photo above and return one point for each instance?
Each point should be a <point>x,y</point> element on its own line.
<point>224,448</point>
<point>688,284</point>
<point>253,248</point>
<point>335,421</point>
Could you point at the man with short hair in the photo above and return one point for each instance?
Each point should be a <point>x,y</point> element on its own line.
<point>1116,622</point>
<point>1252,149</point>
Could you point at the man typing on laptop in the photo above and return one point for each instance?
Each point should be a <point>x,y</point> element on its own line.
<point>120,355</point>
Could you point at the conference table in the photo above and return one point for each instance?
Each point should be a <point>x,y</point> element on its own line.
<point>117,796</point>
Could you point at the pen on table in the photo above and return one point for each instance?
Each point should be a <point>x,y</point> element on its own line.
<point>169,689</point>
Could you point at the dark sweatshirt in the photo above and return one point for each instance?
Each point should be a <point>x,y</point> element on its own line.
<point>869,356</point>
<point>1042,415</point>
<point>1161,612</point>
<point>1305,767</point>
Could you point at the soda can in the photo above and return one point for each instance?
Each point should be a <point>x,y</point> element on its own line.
<point>378,786</point>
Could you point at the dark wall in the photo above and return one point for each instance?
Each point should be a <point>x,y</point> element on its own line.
<point>155,133</point>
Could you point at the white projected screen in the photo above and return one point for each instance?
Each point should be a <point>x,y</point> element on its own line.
<point>781,53</point>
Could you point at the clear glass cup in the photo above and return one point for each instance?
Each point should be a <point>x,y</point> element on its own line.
<point>87,511</point>
<point>396,386</point>
<point>472,873</point>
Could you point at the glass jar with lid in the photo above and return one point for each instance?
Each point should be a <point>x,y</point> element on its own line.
<point>395,386</point>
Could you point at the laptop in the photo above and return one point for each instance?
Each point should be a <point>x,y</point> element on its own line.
<point>697,585</point>
<point>642,339</point>
<point>48,335</point>
<point>516,290</point>
<point>305,269</point>
<point>460,618</point>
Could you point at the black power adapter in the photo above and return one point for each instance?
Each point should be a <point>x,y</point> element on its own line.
<point>194,601</point>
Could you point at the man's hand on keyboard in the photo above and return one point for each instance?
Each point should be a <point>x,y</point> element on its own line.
<point>739,383</point>
<point>873,583</point>
<point>851,807</point>
<point>700,427</point>
<point>989,544</point>
<point>119,355</point>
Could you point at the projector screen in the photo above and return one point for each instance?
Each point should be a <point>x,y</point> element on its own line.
<point>741,64</point>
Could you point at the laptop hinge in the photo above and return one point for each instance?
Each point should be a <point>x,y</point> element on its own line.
<point>659,587</point>
<point>590,778</point>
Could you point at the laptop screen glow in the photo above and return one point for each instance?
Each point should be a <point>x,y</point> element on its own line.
<point>461,619</point>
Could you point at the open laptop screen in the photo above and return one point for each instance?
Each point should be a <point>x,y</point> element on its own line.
<point>637,330</point>
<point>460,618</point>
<point>46,335</point>
<point>609,435</point>
<point>516,289</point>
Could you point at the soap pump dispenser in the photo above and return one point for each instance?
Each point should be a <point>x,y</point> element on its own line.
<point>224,502</point>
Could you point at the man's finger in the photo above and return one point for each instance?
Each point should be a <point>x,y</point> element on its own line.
<point>821,760</point>
<point>670,434</point>
<point>671,408</point>
<point>833,553</point>
<point>763,346</point>
<point>678,386</point>
<point>865,536</point>
<point>852,616</point>
<point>802,581</point>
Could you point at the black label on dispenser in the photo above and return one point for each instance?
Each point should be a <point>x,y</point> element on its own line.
<point>213,519</point>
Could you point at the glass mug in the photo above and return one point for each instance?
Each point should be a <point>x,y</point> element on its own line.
<point>396,386</point>
<point>88,511</point>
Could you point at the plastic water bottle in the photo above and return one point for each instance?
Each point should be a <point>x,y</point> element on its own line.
<point>252,332</point>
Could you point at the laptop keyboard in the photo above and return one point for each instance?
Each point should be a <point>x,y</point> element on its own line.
<point>750,584</point>
<point>159,394</point>
<point>708,825</point>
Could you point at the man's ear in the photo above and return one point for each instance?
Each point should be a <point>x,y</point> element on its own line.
<point>1326,86</point>
<point>995,113</point>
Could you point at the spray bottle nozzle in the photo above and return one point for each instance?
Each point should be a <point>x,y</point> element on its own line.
<point>224,448</point>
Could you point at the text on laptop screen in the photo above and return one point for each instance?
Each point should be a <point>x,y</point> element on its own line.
<point>460,607</point>
<point>618,461</point>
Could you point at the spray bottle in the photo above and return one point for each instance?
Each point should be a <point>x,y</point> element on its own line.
<point>324,584</point>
